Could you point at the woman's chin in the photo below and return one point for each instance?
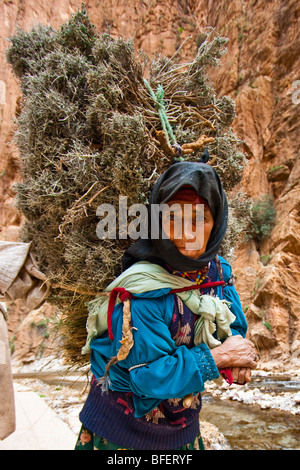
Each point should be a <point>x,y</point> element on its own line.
<point>193,254</point>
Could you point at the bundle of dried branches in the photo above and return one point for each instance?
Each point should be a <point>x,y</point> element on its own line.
<point>90,130</point>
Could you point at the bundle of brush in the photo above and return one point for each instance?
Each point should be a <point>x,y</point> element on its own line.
<point>93,127</point>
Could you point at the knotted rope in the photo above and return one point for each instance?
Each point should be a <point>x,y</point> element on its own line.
<point>127,337</point>
<point>166,137</point>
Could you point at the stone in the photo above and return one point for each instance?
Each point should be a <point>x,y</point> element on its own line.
<point>296,398</point>
<point>278,173</point>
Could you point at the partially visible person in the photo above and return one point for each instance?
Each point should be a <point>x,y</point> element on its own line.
<point>20,279</point>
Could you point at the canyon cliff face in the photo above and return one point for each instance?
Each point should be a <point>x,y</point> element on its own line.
<point>260,72</point>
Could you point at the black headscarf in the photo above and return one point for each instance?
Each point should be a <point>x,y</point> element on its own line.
<point>206,182</point>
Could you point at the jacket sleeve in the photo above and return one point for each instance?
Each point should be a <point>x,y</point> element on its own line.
<point>158,368</point>
<point>239,326</point>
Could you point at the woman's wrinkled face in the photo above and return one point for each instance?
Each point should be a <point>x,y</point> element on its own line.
<point>189,227</point>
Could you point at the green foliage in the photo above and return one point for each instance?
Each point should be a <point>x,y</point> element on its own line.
<point>268,325</point>
<point>263,219</point>
<point>239,210</point>
<point>265,259</point>
<point>78,33</point>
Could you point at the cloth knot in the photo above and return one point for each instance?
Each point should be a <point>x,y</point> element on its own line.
<point>123,294</point>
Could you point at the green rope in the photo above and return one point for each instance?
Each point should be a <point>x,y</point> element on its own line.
<point>158,98</point>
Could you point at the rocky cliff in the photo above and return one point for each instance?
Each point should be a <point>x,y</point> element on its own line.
<point>261,72</point>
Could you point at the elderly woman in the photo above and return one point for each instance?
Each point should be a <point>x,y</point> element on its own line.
<point>138,400</point>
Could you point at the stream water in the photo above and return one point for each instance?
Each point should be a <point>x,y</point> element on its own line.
<point>245,426</point>
<point>248,426</point>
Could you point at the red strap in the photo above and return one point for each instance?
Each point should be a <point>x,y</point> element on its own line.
<point>198,286</point>
<point>124,294</point>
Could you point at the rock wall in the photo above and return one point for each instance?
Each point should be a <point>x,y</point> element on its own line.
<point>261,73</point>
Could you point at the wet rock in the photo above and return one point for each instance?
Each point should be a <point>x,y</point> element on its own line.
<point>212,438</point>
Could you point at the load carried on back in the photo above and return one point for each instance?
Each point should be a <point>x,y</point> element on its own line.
<point>99,120</point>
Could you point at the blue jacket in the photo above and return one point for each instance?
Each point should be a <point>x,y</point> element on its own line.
<point>170,371</point>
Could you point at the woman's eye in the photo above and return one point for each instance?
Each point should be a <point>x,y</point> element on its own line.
<point>174,216</point>
<point>198,219</point>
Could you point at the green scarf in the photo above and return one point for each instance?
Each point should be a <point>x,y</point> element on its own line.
<point>144,276</point>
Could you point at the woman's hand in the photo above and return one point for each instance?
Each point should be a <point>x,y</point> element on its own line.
<point>235,352</point>
<point>241,375</point>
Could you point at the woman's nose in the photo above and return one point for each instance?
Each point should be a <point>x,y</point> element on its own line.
<point>188,231</point>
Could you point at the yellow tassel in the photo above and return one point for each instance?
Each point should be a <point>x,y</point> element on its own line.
<point>188,400</point>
